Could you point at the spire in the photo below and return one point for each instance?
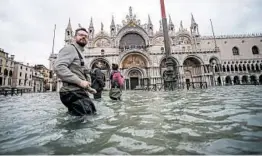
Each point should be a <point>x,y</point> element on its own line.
<point>102,26</point>
<point>161,26</point>
<point>171,25</point>
<point>181,25</point>
<point>130,12</point>
<point>149,20</point>
<point>91,25</point>
<point>170,20</point>
<point>69,25</point>
<point>192,19</point>
<point>113,22</point>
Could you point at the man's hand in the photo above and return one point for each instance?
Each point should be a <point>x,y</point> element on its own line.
<point>84,84</point>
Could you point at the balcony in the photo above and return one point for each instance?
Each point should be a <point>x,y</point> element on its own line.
<point>133,47</point>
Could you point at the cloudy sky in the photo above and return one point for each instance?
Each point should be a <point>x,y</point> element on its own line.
<point>26,26</point>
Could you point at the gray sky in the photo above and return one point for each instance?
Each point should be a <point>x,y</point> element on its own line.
<point>26,26</point>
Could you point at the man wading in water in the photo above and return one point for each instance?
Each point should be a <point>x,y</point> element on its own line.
<point>70,68</point>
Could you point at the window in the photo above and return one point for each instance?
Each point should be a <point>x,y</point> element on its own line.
<point>20,74</point>
<point>255,50</point>
<point>235,51</point>
<point>21,67</point>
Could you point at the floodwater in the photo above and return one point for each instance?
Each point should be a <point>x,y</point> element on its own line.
<point>221,120</point>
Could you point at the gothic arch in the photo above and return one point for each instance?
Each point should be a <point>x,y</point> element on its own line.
<point>98,59</point>
<point>162,64</point>
<point>215,59</point>
<point>173,58</point>
<point>137,54</point>
<point>105,66</point>
<point>195,57</point>
<point>105,39</point>
<point>132,30</point>
<point>159,37</point>
<point>135,69</point>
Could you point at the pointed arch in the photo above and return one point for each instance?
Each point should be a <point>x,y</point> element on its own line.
<point>240,67</point>
<point>224,68</point>
<point>252,67</point>
<point>248,67</point>
<point>236,68</point>
<point>228,69</point>
<point>257,67</point>
<point>244,67</point>
<point>232,68</point>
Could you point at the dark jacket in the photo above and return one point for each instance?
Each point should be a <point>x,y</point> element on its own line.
<point>98,79</point>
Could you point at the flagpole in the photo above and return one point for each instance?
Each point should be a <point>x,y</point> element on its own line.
<point>169,79</point>
<point>213,33</point>
<point>53,40</point>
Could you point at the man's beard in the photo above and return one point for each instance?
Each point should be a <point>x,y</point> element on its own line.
<point>82,44</point>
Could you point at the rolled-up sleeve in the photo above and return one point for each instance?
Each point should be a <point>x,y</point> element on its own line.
<point>65,57</point>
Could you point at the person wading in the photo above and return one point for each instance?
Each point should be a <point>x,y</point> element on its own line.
<point>117,83</point>
<point>98,78</point>
<point>70,68</point>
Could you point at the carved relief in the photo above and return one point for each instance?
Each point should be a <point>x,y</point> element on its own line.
<point>134,73</point>
<point>134,61</point>
<point>102,43</point>
<point>183,40</point>
<point>159,41</point>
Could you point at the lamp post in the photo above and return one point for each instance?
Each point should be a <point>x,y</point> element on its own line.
<point>169,78</point>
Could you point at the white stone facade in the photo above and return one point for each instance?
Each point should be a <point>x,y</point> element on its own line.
<point>139,51</point>
<point>22,77</point>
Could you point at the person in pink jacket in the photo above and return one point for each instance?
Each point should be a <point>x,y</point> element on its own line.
<point>117,83</point>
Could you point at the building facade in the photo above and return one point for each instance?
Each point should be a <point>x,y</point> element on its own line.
<point>23,76</point>
<point>38,82</point>
<point>6,69</point>
<point>139,51</point>
<point>46,74</point>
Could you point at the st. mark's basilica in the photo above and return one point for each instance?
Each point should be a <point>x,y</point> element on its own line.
<point>139,51</point>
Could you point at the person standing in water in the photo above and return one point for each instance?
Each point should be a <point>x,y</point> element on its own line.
<point>117,83</point>
<point>97,78</point>
<point>70,68</point>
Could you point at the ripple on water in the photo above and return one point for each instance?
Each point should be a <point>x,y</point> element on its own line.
<point>222,120</point>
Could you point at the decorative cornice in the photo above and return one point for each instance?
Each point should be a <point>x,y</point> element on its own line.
<point>254,35</point>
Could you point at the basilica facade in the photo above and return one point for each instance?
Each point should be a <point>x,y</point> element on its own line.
<point>139,50</point>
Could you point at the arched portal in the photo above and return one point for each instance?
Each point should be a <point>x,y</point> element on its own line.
<point>192,65</point>
<point>244,79</point>
<point>134,60</point>
<point>135,78</point>
<point>163,66</point>
<point>236,80</point>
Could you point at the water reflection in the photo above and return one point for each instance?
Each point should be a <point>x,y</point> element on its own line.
<point>224,120</point>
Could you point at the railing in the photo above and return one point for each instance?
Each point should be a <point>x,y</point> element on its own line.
<point>132,47</point>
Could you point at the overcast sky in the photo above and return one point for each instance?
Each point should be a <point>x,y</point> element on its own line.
<point>26,26</point>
